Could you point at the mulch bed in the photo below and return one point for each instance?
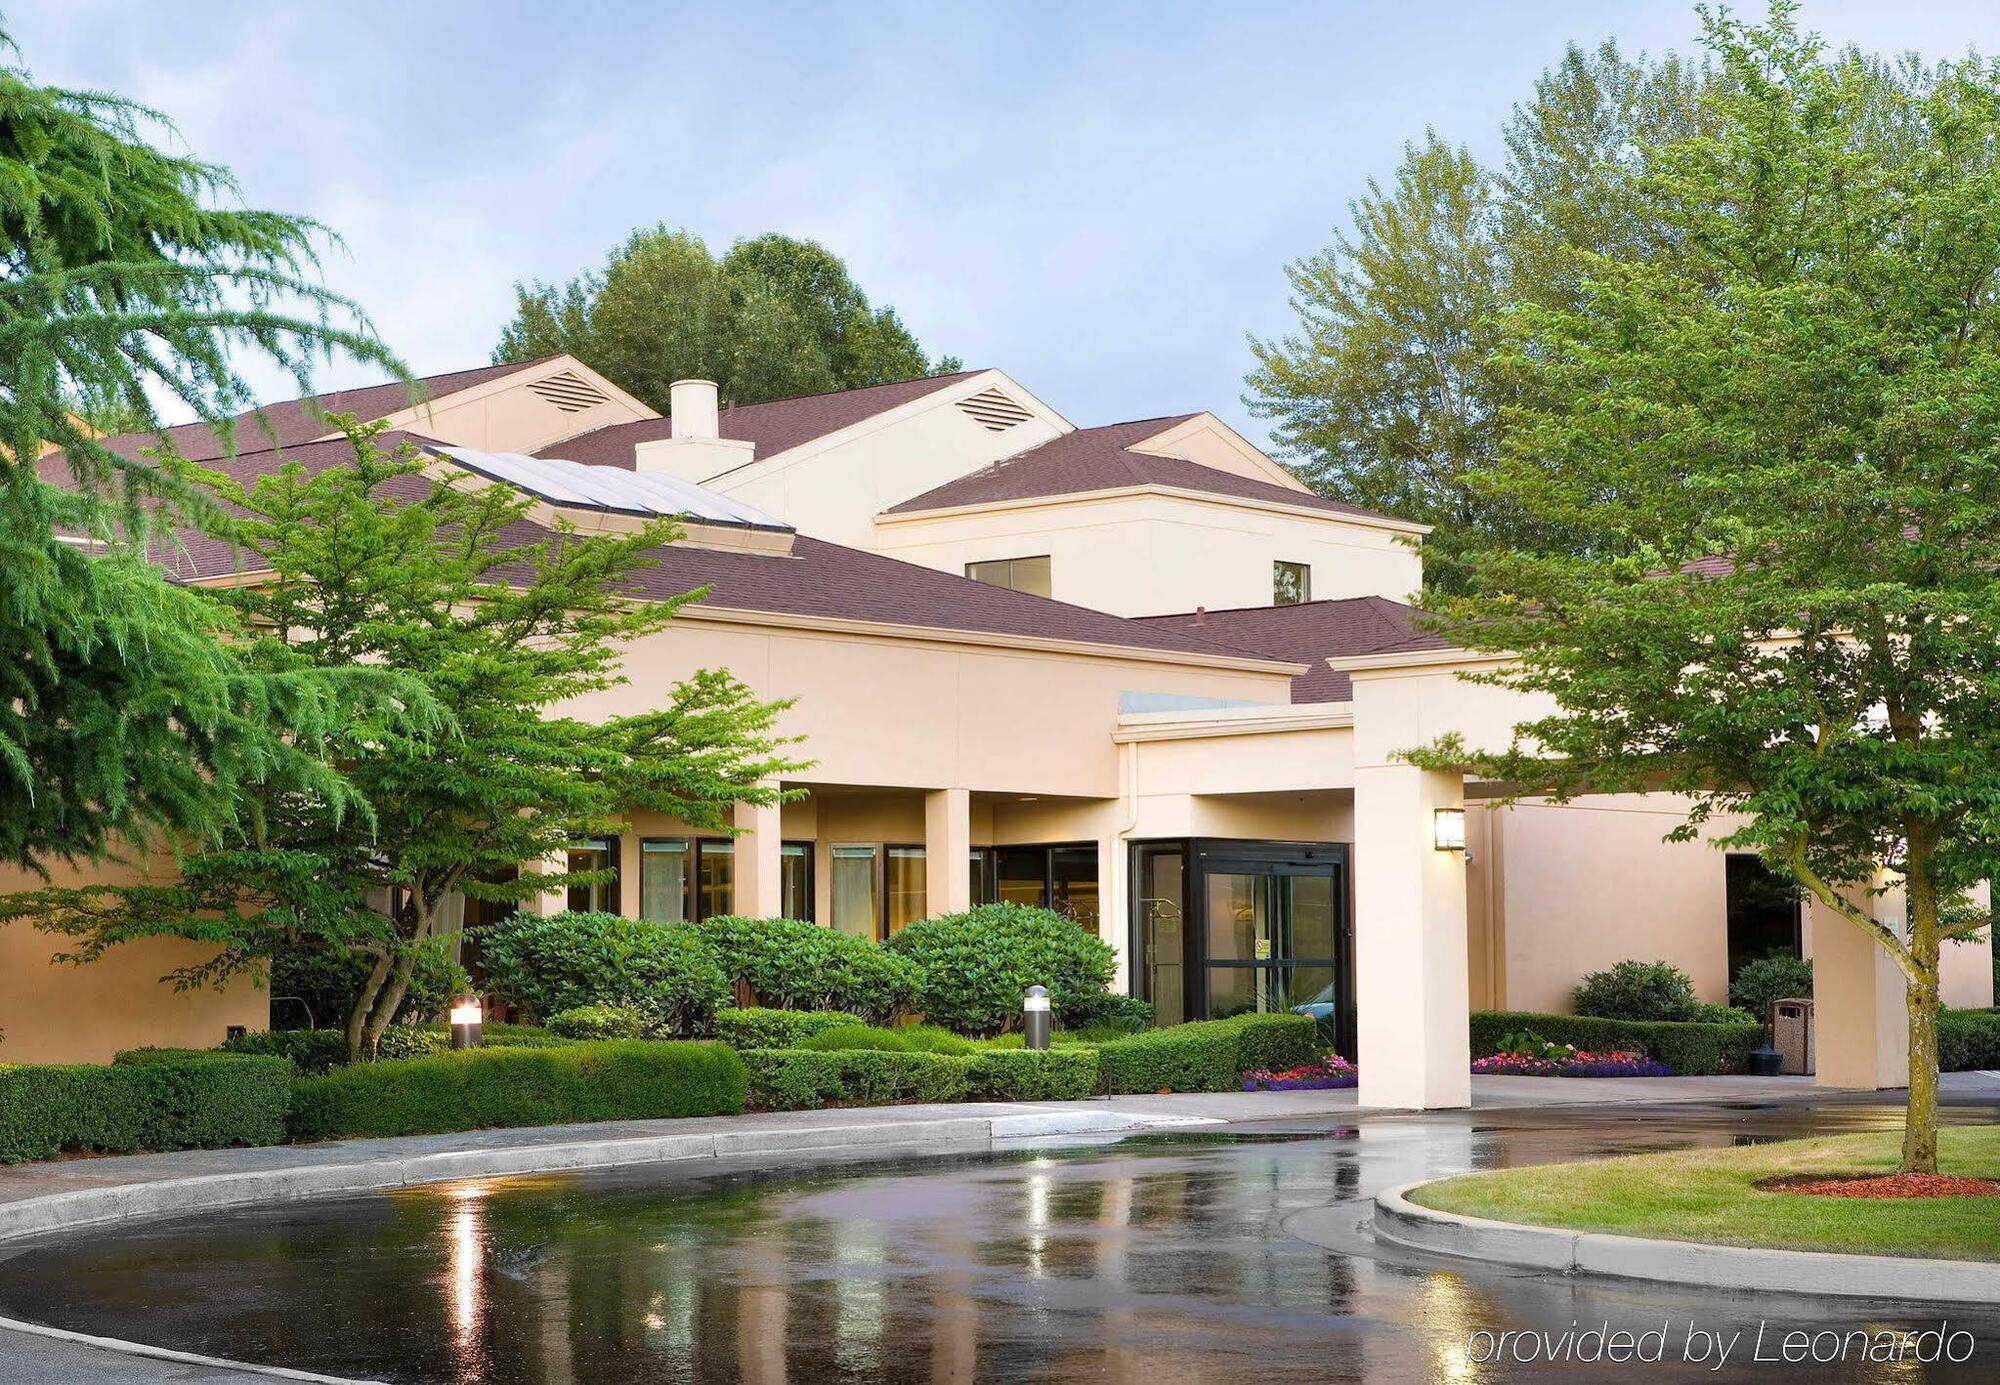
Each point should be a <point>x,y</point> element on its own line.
<point>1892,1185</point>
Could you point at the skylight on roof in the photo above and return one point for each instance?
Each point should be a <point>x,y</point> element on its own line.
<point>573,485</point>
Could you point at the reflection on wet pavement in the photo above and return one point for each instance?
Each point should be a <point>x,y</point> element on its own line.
<point>1156,1259</point>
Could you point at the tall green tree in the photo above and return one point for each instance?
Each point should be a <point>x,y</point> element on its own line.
<point>129,274</point>
<point>1384,395</point>
<point>1780,446</point>
<point>375,562</point>
<point>772,318</point>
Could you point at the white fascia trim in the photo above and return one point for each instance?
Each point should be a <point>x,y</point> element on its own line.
<point>1232,502</point>
<point>1233,721</point>
<point>931,634</point>
<point>889,418</point>
<point>1413,659</point>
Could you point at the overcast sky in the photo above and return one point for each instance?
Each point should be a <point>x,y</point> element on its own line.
<point>1098,198</point>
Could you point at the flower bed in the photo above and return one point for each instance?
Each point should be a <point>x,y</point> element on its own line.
<point>1321,1075</point>
<point>1578,1063</point>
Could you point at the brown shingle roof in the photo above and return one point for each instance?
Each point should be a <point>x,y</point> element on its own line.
<point>1311,633</point>
<point>818,579</point>
<point>1097,459</point>
<point>775,427</point>
<point>294,421</point>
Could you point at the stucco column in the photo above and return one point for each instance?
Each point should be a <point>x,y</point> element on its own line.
<point>1412,1005</point>
<point>947,851</point>
<point>550,901</point>
<point>1860,1012</point>
<point>759,868</point>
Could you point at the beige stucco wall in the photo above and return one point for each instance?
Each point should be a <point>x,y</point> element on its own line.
<point>60,1013</point>
<point>1138,554</point>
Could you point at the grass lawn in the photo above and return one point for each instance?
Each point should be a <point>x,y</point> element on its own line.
<point>1708,1195</point>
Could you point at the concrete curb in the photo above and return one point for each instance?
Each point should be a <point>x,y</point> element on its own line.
<point>183,1358</point>
<point>1820,1273</point>
<point>167,1197</point>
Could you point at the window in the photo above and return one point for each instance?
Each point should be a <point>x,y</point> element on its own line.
<point>1029,575</point>
<point>905,899</point>
<point>684,880</point>
<point>1291,583</point>
<point>854,894</point>
<point>1062,878</point>
<point>795,880</point>
<point>1762,910</point>
<point>717,876</point>
<point>596,854</point>
<point>665,883</point>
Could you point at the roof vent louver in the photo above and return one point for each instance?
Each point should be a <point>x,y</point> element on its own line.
<point>569,392</point>
<point>993,410</point>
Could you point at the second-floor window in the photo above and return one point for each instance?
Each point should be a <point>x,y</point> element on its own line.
<point>1291,583</point>
<point>1029,575</point>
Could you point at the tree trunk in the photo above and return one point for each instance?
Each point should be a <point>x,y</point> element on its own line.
<point>1920,1121</point>
<point>389,998</point>
<point>364,1007</point>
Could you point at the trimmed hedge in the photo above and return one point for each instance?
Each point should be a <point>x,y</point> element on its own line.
<point>1206,1055</point>
<point>1057,1074</point>
<point>481,1088</point>
<point>908,1038</point>
<point>974,967</point>
<point>311,1051</point>
<point>598,1022</point>
<point>755,1027</point>
<point>793,965</point>
<point>152,1099</point>
<point>548,965</point>
<point>1968,1040</point>
<point>1692,1050</point>
<point>793,1079</point>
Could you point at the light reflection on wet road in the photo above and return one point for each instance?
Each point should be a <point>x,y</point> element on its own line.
<point>1151,1259</point>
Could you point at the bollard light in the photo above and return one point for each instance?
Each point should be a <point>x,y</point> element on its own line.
<point>1035,1017</point>
<point>468,1021</point>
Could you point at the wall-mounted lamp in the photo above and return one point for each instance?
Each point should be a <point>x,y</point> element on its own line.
<point>1448,829</point>
<point>468,1021</point>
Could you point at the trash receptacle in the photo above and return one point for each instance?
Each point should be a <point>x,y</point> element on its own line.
<point>1792,1035</point>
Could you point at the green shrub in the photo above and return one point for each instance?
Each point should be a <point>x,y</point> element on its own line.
<point>760,1028</point>
<point>506,1036</point>
<point>1637,991</point>
<point>974,967</point>
<point>1705,1013</point>
<point>157,1099</point>
<point>548,965</point>
<point>310,1051</point>
<point>330,982</point>
<point>598,1022</point>
<point>908,1038</point>
<point>1764,981</point>
<point>411,1041</point>
<point>801,966</point>
<point>1693,1050</point>
<point>1206,1056</point>
<point>792,1079</point>
<point>482,1088</point>
<point>1968,1040</point>
<point>1110,1013</point>
<point>1057,1074</point>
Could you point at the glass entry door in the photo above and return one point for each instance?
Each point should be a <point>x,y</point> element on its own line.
<point>1271,930</point>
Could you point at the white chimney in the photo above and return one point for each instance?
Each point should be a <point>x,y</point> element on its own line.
<point>695,449</point>
<point>691,404</point>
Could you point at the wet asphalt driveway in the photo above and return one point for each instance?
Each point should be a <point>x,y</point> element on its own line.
<point>1155,1259</point>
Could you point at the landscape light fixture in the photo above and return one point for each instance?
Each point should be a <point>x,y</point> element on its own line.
<point>468,1020</point>
<point>1035,1018</point>
<point>1448,829</point>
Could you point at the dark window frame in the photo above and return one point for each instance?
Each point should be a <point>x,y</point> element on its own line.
<point>1304,572</point>
<point>691,884</point>
<point>614,849</point>
<point>808,851</point>
<point>1010,584</point>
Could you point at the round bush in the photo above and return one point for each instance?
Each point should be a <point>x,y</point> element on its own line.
<point>328,983</point>
<point>1638,991</point>
<point>598,1022</point>
<point>1761,983</point>
<point>793,965</point>
<point>548,965</point>
<point>973,967</point>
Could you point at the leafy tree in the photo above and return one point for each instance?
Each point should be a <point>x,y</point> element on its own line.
<point>123,278</point>
<point>1783,445</point>
<point>774,317</point>
<point>501,623</point>
<point>1386,395</point>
